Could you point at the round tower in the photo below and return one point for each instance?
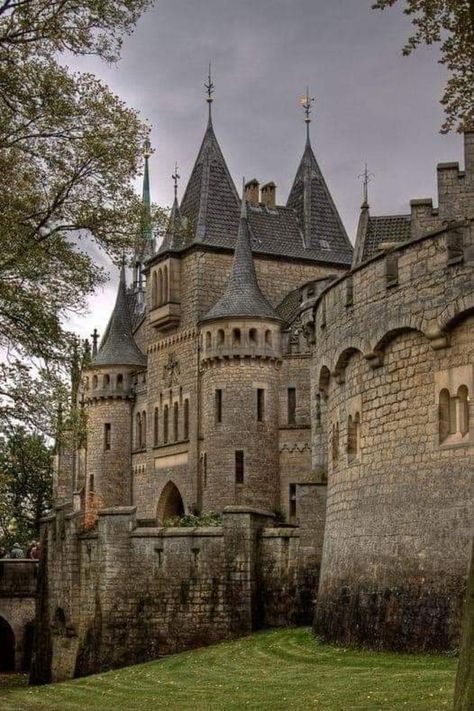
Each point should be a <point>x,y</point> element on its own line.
<point>108,394</point>
<point>240,361</point>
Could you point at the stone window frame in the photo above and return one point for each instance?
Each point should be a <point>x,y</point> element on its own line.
<point>291,405</point>
<point>261,404</point>
<point>107,436</point>
<point>453,381</point>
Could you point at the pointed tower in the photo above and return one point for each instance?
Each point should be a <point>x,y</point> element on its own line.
<point>145,246</point>
<point>211,202</point>
<point>364,220</point>
<point>317,214</point>
<point>241,359</point>
<point>108,400</point>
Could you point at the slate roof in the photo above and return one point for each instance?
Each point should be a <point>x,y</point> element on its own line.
<point>175,235</point>
<point>321,225</point>
<point>211,207</point>
<point>242,296</point>
<point>385,228</point>
<point>118,346</point>
<point>289,306</point>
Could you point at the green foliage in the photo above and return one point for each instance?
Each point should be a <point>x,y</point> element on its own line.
<point>26,477</point>
<point>274,670</point>
<point>69,152</point>
<point>192,520</point>
<point>449,23</point>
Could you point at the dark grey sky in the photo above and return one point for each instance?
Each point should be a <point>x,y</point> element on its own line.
<point>372,104</point>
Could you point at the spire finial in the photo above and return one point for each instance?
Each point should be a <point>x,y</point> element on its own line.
<point>306,103</point>
<point>95,341</point>
<point>366,178</point>
<point>209,86</point>
<point>176,176</point>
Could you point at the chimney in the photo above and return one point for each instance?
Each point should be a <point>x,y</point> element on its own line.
<point>269,194</point>
<point>251,191</point>
<point>469,154</point>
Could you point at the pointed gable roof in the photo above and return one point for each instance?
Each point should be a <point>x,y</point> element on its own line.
<point>174,239</point>
<point>210,202</point>
<point>118,346</point>
<point>242,296</point>
<point>319,219</point>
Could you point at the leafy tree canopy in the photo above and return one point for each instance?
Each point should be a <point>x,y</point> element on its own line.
<point>451,24</point>
<point>25,486</point>
<point>69,152</point>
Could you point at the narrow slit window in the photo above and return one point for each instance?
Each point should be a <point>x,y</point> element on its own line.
<point>156,422</point>
<point>239,466</point>
<point>165,424</point>
<point>186,420</point>
<point>218,405</point>
<point>292,501</point>
<point>260,404</point>
<point>291,406</point>
<point>107,431</point>
<point>176,421</point>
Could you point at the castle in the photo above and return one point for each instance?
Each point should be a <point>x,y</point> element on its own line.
<point>317,397</point>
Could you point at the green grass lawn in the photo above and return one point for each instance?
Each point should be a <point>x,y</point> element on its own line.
<point>277,669</point>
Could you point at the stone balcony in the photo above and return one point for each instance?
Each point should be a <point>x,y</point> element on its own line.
<point>166,316</point>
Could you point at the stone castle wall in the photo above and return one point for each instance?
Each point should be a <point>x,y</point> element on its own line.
<point>17,606</point>
<point>124,594</point>
<point>400,504</point>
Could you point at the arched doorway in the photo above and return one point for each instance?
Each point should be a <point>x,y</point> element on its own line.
<point>7,647</point>
<point>170,504</point>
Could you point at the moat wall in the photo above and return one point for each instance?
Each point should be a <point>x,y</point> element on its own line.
<point>122,594</point>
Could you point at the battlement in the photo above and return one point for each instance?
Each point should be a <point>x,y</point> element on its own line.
<point>240,339</point>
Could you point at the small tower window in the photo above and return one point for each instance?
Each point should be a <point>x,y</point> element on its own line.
<point>106,382</point>
<point>107,430</point>
<point>138,431</point>
<point>253,337</point>
<point>453,415</point>
<point>260,404</point>
<point>349,292</point>
<point>220,337</point>
<point>175,421</point>
<point>353,436</point>
<point>268,338</point>
<point>391,270</point>
<point>236,336</point>
<point>95,382</point>
<point>208,340</point>
<point>292,501</point>
<point>120,381</point>
<point>239,466</point>
<point>291,406</point>
<point>91,484</point>
<point>165,285</point>
<point>159,287</point>
<point>154,290</point>
<point>186,420</point>
<point>218,405</point>
<point>335,443</point>
<point>156,422</point>
<point>143,442</point>
<point>165,424</point>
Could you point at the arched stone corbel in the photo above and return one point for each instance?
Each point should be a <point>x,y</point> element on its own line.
<point>374,359</point>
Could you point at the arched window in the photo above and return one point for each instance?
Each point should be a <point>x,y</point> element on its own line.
<point>253,337</point>
<point>156,420</point>
<point>186,420</point>
<point>453,415</point>
<point>335,443</point>
<point>444,415</point>
<point>159,287</point>
<point>144,429</point>
<point>353,434</point>
<point>208,339</point>
<point>176,422</point>
<point>236,336</point>
<point>154,290</point>
<point>220,337</point>
<point>106,382</point>
<point>165,424</point>
<point>165,285</point>
<point>268,337</point>
<point>120,381</point>
<point>463,411</point>
<point>138,431</point>
<point>95,382</point>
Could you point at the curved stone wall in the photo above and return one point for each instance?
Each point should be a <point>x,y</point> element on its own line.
<point>393,387</point>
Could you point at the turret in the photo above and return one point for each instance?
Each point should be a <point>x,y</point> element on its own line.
<point>241,358</point>
<point>108,393</point>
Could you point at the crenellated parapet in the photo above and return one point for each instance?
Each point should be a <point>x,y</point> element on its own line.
<point>223,341</point>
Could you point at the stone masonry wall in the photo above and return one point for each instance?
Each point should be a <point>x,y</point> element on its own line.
<point>17,604</point>
<point>400,505</point>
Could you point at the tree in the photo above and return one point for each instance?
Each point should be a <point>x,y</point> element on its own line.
<point>69,152</point>
<point>25,486</point>
<point>450,23</point>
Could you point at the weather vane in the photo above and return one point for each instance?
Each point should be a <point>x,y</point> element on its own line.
<point>209,85</point>
<point>176,176</point>
<point>366,179</point>
<point>306,102</point>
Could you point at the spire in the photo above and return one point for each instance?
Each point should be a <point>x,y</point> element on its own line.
<point>242,296</point>
<point>145,246</point>
<point>118,346</point>
<point>211,202</point>
<point>310,198</point>
<point>366,178</point>
<point>174,235</point>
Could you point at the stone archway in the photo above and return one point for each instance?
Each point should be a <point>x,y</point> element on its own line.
<point>171,503</point>
<point>7,647</point>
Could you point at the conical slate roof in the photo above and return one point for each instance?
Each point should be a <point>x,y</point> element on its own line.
<point>319,219</point>
<point>242,297</point>
<point>174,238</point>
<point>118,346</point>
<point>210,201</point>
